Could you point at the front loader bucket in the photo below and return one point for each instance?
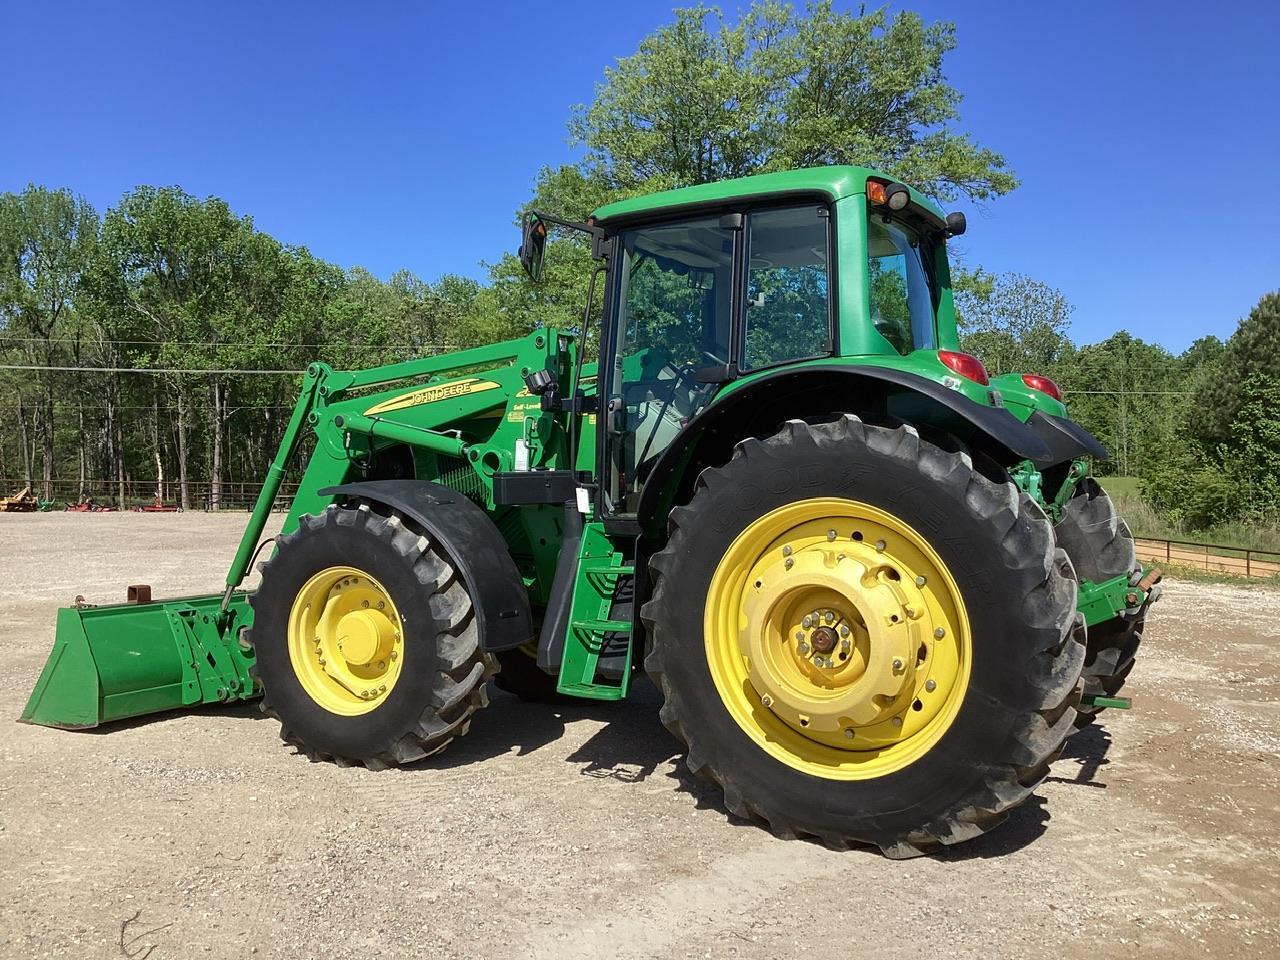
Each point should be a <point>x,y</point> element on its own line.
<point>109,663</point>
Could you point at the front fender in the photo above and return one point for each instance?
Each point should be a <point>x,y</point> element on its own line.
<point>474,546</point>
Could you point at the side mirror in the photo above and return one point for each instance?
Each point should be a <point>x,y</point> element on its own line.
<point>533,244</point>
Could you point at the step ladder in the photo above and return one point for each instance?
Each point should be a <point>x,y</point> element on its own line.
<point>597,650</point>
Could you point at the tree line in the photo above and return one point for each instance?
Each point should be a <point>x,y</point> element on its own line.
<point>195,295</point>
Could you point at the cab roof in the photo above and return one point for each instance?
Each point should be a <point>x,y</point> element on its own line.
<point>833,182</point>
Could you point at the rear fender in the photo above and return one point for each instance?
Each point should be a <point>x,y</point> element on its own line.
<point>878,394</point>
<point>473,544</point>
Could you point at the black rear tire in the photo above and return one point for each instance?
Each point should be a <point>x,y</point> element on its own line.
<point>442,678</point>
<point>1019,707</point>
<point>1101,547</point>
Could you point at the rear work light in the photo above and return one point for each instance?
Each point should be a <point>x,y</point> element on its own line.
<point>965,364</point>
<point>1043,384</point>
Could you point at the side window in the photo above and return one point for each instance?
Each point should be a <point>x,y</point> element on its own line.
<point>899,286</point>
<point>788,315</point>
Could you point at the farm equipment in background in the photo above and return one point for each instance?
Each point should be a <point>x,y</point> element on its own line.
<point>24,501</point>
<point>89,505</point>
<point>876,590</point>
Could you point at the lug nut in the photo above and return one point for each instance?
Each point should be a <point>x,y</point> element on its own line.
<point>364,603</point>
<point>381,604</point>
<point>897,664</point>
<point>800,635</point>
<point>848,734</point>
<point>789,563</point>
<point>880,545</point>
<point>940,633</point>
<point>393,655</point>
<point>921,581</point>
<point>767,700</point>
<point>807,621</point>
<point>831,534</point>
<point>804,648</point>
<point>844,629</point>
<point>931,685</point>
<point>897,721</point>
<point>786,550</point>
<point>831,616</point>
<point>844,646</point>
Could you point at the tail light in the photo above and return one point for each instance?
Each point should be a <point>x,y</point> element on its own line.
<point>1043,384</point>
<point>965,364</point>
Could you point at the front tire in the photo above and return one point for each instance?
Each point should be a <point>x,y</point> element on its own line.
<point>366,641</point>
<point>902,543</point>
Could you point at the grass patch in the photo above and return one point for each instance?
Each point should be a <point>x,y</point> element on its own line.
<point>1197,575</point>
<point>1126,493</point>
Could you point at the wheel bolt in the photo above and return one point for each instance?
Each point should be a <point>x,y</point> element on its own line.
<point>381,604</point>
<point>807,621</point>
<point>364,603</point>
<point>931,685</point>
<point>831,534</point>
<point>880,546</point>
<point>804,648</point>
<point>897,721</point>
<point>844,646</point>
<point>382,664</point>
<point>831,616</point>
<point>897,665</point>
<point>786,551</point>
<point>800,635</point>
<point>921,581</point>
<point>848,734</point>
<point>789,563</point>
<point>393,655</point>
<point>844,629</point>
<point>940,633</point>
<point>767,700</point>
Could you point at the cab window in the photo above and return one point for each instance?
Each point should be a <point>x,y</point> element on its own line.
<point>788,310</point>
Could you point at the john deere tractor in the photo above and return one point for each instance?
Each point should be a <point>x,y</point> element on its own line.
<point>876,589</point>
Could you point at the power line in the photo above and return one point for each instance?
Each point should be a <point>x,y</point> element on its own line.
<point>226,343</point>
<point>151,370</point>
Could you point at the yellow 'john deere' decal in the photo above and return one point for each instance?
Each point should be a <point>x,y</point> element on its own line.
<point>443,391</point>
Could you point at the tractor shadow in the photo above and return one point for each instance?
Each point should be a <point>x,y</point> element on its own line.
<point>630,746</point>
<point>1087,749</point>
<point>240,710</point>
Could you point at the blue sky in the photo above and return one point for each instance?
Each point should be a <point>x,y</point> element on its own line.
<point>406,134</point>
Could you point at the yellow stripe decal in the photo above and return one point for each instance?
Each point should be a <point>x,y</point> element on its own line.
<point>442,391</point>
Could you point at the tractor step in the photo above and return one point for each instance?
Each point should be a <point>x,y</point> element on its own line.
<point>597,650</point>
<point>1111,703</point>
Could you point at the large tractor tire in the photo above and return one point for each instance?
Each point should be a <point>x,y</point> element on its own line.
<point>862,639</point>
<point>1101,546</point>
<point>366,641</point>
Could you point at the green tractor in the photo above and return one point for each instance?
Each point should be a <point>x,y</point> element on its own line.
<point>876,590</point>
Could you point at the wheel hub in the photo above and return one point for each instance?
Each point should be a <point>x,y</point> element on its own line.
<point>345,640</point>
<point>847,633</point>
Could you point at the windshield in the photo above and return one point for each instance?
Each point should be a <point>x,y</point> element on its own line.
<point>900,284</point>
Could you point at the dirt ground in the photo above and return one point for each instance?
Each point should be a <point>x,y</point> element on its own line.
<point>574,832</point>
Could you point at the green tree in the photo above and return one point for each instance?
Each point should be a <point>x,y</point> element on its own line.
<point>706,98</point>
<point>47,238</point>
<point>1252,350</point>
<point>1014,323</point>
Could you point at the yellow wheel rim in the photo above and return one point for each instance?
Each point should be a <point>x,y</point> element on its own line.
<point>346,641</point>
<point>837,639</point>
